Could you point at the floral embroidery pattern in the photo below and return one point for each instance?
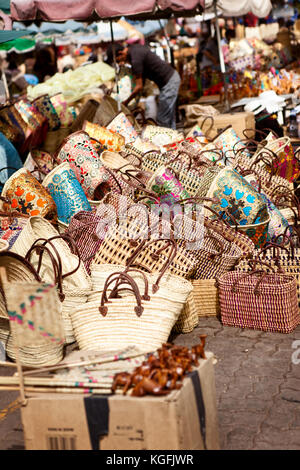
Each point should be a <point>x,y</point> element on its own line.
<point>28,196</point>
<point>238,197</point>
<point>67,193</point>
<point>83,158</point>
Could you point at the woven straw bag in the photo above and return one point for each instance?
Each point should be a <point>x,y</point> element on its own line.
<point>25,194</point>
<point>153,159</point>
<point>188,318</point>
<point>110,140</point>
<point>259,177</point>
<point>45,107</point>
<point>38,228</point>
<point>18,270</point>
<point>161,135</point>
<point>122,125</point>
<point>35,322</point>
<point>11,225</point>
<point>238,197</point>
<point>123,168</point>
<point>287,165</point>
<point>259,300</point>
<point>214,253</point>
<point>70,297</point>
<point>130,239</point>
<point>206,297</point>
<point>66,191</point>
<point>284,255</point>
<point>87,231</point>
<point>144,319</point>
<point>30,356</point>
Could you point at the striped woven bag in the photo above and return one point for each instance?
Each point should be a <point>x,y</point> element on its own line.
<point>259,300</point>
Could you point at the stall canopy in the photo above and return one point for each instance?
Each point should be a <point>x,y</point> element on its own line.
<point>88,10</point>
<point>260,8</point>
<point>56,10</point>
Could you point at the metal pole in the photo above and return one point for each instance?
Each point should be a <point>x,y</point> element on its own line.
<point>221,57</point>
<point>115,65</point>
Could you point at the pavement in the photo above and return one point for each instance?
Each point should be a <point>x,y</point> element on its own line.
<point>257,383</point>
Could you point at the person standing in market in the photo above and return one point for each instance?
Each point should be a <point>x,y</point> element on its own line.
<point>147,65</point>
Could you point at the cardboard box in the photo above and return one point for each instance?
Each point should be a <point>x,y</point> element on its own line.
<point>239,122</point>
<point>186,419</point>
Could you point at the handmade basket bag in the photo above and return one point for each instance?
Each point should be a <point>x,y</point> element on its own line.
<point>215,254</point>
<point>238,197</point>
<point>35,322</point>
<point>127,175</point>
<point>161,135</point>
<point>43,160</point>
<point>44,105</point>
<point>25,194</point>
<point>206,298</point>
<point>133,238</point>
<point>88,231</point>
<point>140,317</point>
<point>141,146</point>
<point>188,318</point>
<point>121,125</point>
<point>285,256</point>
<point>78,150</point>
<point>37,229</point>
<point>259,177</point>
<point>108,139</point>
<point>66,192</point>
<point>163,182</point>
<point>288,165</point>
<point>229,142</point>
<point>36,121</point>
<point>11,225</point>
<point>57,259</point>
<point>65,112</point>
<point>259,300</point>
<point>18,269</point>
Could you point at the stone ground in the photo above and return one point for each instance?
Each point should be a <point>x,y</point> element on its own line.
<point>257,384</point>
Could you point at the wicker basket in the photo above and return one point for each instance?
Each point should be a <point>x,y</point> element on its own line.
<point>130,319</point>
<point>205,296</point>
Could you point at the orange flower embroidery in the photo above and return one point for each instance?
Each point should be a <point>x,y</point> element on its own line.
<point>29,197</point>
<point>34,212</point>
<point>19,191</point>
<point>40,203</point>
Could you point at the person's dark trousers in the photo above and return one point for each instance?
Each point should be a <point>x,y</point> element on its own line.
<point>166,113</point>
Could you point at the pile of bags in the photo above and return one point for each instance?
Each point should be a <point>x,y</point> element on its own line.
<point>128,232</point>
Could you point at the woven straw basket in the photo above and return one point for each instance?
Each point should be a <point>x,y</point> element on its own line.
<point>188,318</point>
<point>122,327</point>
<point>206,298</point>
<point>270,306</point>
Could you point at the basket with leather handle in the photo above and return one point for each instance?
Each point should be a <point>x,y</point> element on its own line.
<point>122,240</point>
<point>131,314</point>
<point>70,297</point>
